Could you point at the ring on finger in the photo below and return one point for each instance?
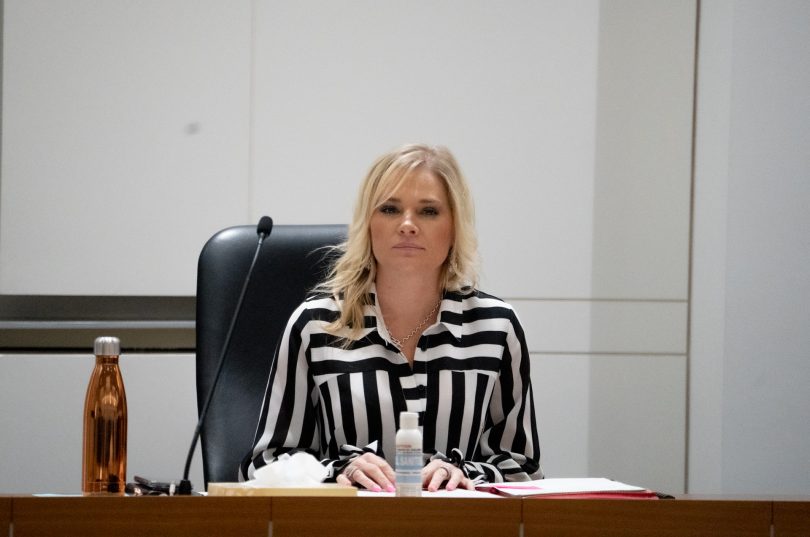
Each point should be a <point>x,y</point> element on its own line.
<point>446,470</point>
<point>350,472</point>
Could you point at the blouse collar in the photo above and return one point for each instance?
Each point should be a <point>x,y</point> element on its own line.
<point>450,312</point>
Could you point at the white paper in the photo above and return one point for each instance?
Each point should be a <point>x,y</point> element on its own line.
<point>578,485</point>
<point>458,493</point>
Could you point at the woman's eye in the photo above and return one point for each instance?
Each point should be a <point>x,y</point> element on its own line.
<point>388,209</point>
<point>430,211</point>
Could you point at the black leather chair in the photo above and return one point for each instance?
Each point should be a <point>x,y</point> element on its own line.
<point>290,264</point>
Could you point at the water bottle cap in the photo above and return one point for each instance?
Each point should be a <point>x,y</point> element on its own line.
<point>408,420</point>
<point>107,346</point>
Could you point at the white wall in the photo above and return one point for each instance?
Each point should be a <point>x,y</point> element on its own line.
<point>641,214</point>
<point>573,122</point>
<point>125,129</point>
<point>749,403</point>
<point>583,217</point>
<point>41,402</point>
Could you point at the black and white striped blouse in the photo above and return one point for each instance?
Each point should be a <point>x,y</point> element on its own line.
<point>469,384</point>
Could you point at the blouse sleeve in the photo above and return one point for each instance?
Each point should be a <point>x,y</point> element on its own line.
<point>509,449</point>
<point>288,421</point>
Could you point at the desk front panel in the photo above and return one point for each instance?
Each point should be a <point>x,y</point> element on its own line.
<point>164,516</point>
<point>406,517</point>
<point>5,514</point>
<point>791,518</point>
<point>643,518</point>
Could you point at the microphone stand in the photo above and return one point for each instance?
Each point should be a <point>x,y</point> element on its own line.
<point>263,230</point>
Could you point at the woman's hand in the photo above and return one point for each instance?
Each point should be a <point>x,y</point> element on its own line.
<point>369,471</point>
<point>438,471</point>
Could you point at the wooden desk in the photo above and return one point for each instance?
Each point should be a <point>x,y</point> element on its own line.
<point>109,515</point>
<point>637,518</point>
<point>791,518</point>
<point>406,517</point>
<point>373,517</point>
<point>5,514</point>
<point>248,516</point>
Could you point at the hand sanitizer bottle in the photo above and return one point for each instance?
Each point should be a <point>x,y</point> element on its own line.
<point>409,458</point>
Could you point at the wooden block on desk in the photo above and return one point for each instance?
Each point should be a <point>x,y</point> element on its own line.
<point>103,516</point>
<point>631,518</point>
<point>240,489</point>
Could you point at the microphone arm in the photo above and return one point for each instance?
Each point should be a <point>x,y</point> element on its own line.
<point>263,229</point>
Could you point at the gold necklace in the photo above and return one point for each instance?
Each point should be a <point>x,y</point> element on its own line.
<point>401,342</point>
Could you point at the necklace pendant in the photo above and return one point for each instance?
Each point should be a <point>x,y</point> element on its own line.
<point>400,343</point>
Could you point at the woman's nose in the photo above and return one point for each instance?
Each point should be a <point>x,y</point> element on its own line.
<point>407,226</point>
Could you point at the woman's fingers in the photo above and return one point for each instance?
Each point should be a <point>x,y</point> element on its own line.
<point>374,473</point>
<point>439,472</point>
<point>369,471</point>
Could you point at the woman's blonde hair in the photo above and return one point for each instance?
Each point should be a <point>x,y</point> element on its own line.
<point>354,271</point>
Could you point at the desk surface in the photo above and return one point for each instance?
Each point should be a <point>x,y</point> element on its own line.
<point>357,517</point>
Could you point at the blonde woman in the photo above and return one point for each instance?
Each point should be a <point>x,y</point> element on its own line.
<point>400,325</point>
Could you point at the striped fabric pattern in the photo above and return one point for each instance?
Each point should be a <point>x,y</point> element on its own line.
<point>469,383</point>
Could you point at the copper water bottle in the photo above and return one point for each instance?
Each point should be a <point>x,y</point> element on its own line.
<point>104,465</point>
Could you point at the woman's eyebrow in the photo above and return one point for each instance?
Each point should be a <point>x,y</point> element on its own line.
<point>424,201</point>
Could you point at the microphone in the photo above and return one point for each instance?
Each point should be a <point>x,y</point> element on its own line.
<point>263,229</point>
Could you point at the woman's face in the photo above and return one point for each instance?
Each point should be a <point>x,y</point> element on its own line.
<point>412,231</point>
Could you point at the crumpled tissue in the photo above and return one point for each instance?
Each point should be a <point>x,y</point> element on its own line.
<point>297,470</point>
